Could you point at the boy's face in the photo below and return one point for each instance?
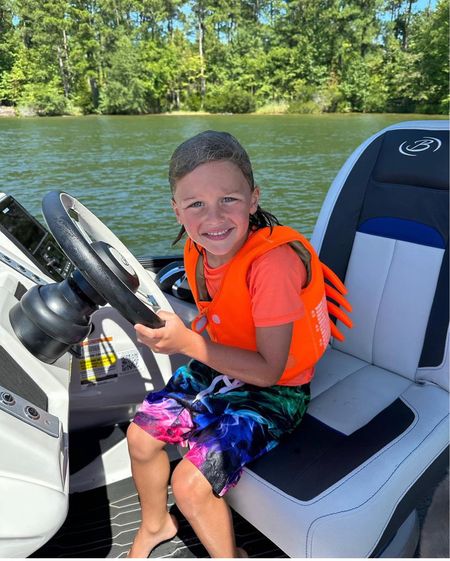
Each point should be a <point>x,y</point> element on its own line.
<point>213,202</point>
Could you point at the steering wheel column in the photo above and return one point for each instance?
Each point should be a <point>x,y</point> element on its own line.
<point>50,319</point>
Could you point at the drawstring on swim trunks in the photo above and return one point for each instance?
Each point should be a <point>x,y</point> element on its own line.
<point>230,384</point>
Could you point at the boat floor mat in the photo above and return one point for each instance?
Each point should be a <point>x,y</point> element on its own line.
<point>101,523</point>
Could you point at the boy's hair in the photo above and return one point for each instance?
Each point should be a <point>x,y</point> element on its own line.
<point>213,146</point>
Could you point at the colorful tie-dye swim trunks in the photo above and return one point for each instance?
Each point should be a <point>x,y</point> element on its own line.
<point>225,429</point>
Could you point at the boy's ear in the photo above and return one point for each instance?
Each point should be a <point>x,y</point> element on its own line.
<point>176,211</point>
<point>255,199</point>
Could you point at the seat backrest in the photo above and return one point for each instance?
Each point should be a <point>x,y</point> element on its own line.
<point>384,230</point>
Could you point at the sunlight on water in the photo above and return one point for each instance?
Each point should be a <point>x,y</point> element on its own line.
<point>117,166</point>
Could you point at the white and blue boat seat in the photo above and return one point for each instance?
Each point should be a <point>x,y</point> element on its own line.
<point>347,482</point>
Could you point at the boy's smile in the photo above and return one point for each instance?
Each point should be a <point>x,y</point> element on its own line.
<point>213,202</point>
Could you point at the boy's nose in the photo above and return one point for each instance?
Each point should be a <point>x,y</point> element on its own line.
<point>215,212</point>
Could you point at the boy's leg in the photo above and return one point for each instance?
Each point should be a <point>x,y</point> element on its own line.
<point>208,514</point>
<point>150,469</point>
<point>219,451</point>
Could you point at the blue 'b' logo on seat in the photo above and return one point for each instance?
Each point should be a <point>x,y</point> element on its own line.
<point>418,146</point>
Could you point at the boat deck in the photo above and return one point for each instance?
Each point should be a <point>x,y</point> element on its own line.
<point>102,523</point>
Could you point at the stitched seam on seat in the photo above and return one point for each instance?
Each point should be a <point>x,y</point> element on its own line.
<point>342,379</point>
<point>381,299</point>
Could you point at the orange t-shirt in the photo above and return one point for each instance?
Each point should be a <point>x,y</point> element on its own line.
<point>274,280</point>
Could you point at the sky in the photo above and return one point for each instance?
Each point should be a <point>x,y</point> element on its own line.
<point>421,4</point>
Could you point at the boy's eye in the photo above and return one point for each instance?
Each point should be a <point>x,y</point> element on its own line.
<point>229,199</point>
<point>196,204</point>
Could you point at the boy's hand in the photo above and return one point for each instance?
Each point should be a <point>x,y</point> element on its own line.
<point>170,339</point>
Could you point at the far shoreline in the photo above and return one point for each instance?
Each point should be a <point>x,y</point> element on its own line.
<point>10,112</point>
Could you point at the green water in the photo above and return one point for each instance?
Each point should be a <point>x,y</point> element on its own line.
<point>117,166</point>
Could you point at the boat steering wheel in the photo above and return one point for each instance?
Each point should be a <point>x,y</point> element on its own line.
<point>103,260</point>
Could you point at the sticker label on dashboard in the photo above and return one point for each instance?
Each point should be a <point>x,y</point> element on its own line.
<point>98,364</point>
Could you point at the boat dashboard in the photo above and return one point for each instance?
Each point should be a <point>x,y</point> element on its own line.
<point>99,381</point>
<point>32,238</point>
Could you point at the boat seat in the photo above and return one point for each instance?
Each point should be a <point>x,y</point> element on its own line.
<point>375,439</point>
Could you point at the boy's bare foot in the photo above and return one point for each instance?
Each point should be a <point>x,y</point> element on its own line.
<point>145,541</point>
<point>241,553</point>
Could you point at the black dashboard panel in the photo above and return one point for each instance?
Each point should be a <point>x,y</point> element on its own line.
<point>33,239</point>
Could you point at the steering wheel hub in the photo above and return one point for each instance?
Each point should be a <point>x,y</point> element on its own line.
<point>118,264</point>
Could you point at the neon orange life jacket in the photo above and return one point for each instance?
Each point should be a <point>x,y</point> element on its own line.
<point>228,317</point>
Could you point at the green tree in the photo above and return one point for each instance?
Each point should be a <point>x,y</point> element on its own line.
<point>40,77</point>
<point>124,88</point>
<point>8,47</point>
<point>87,65</point>
<point>401,16</point>
<point>138,56</point>
<point>429,46</point>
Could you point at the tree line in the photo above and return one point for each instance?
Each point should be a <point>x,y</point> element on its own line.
<point>151,56</point>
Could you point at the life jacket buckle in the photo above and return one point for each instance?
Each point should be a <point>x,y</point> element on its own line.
<point>200,322</point>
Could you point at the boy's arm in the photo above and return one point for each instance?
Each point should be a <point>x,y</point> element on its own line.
<point>261,368</point>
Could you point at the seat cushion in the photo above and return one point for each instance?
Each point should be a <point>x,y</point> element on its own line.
<point>330,488</point>
<point>360,395</point>
<point>391,286</point>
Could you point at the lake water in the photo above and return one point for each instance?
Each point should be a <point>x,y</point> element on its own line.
<point>117,166</point>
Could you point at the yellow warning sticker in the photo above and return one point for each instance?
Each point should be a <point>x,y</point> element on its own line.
<point>99,361</point>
